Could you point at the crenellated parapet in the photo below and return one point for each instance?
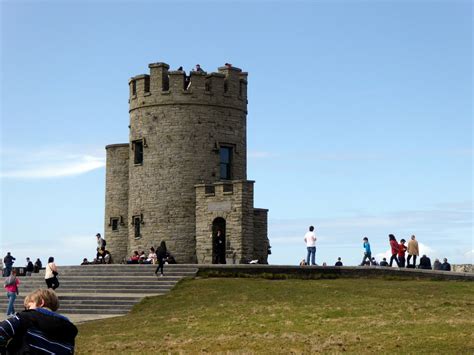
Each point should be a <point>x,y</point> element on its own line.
<point>226,88</point>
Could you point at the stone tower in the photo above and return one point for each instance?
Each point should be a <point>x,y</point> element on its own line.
<point>183,173</point>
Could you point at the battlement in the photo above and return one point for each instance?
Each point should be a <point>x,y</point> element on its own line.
<point>220,189</point>
<point>227,87</point>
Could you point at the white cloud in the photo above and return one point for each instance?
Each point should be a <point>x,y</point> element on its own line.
<point>48,163</point>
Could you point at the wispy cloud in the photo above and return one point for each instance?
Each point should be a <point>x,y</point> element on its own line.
<point>48,163</point>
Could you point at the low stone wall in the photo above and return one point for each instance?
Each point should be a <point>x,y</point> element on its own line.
<point>463,268</point>
<point>327,272</point>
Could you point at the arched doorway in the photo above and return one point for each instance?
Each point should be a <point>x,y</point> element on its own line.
<point>218,242</point>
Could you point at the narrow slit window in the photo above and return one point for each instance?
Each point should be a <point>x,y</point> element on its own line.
<point>136,226</point>
<point>114,222</point>
<point>134,87</point>
<point>137,151</point>
<point>225,163</point>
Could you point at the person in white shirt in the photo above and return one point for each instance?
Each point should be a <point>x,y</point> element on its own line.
<point>310,240</point>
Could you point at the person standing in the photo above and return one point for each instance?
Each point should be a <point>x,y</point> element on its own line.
<point>8,261</point>
<point>29,267</point>
<point>100,242</point>
<point>412,251</point>
<point>161,255</point>
<point>394,248</point>
<point>51,274</point>
<point>367,251</point>
<point>401,252</point>
<point>38,329</point>
<point>219,248</point>
<point>310,240</point>
<point>11,286</point>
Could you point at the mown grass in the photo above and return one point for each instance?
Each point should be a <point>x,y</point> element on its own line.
<point>243,316</point>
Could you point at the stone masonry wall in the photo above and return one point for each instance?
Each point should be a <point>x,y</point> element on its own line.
<point>182,130</point>
<point>182,126</point>
<point>260,228</point>
<point>116,200</point>
<point>232,201</point>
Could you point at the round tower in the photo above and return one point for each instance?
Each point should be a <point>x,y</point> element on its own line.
<point>184,131</point>
<point>116,200</point>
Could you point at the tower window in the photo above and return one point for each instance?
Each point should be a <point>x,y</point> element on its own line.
<point>225,154</point>
<point>137,147</point>
<point>114,222</point>
<point>137,221</point>
<point>134,87</point>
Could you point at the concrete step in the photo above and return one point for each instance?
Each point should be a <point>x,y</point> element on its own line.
<point>97,291</point>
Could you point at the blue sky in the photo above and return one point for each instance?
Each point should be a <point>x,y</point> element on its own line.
<point>360,116</point>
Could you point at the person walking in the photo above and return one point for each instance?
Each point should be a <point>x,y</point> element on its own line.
<point>11,286</point>
<point>38,329</point>
<point>29,267</point>
<point>367,251</point>
<point>412,251</point>
<point>394,248</point>
<point>8,261</point>
<point>51,274</point>
<point>161,255</point>
<point>401,252</point>
<point>310,240</point>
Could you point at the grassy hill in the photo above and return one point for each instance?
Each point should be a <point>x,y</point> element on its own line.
<point>293,316</point>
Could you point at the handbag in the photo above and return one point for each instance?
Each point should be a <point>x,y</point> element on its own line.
<point>55,273</point>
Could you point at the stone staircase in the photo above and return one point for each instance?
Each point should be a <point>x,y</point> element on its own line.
<point>96,291</point>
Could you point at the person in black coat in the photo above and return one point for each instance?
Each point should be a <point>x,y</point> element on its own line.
<point>161,255</point>
<point>445,266</point>
<point>29,267</point>
<point>425,263</point>
<point>219,248</point>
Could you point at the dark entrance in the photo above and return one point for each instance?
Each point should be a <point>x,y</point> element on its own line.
<point>218,242</point>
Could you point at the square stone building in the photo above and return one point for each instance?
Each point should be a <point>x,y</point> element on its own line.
<point>183,174</point>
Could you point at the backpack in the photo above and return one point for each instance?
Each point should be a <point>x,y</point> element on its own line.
<point>10,281</point>
<point>104,242</point>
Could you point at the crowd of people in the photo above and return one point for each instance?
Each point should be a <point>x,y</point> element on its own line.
<point>398,252</point>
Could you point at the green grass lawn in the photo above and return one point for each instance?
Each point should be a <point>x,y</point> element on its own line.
<point>293,316</point>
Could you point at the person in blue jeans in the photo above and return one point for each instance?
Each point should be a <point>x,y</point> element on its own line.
<point>367,251</point>
<point>310,240</point>
<point>11,286</point>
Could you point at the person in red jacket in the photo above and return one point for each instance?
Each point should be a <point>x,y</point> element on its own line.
<point>394,247</point>
<point>401,252</point>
